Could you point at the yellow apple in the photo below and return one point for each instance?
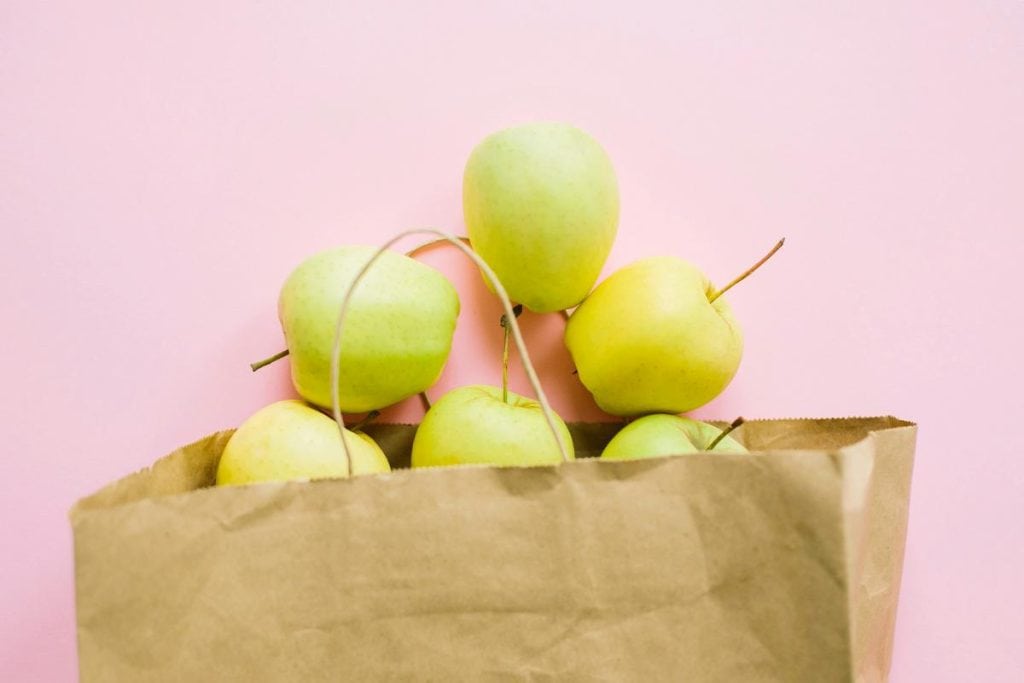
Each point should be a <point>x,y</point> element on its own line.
<point>541,205</point>
<point>397,336</point>
<point>472,425</point>
<point>649,339</point>
<point>289,440</point>
<point>656,435</point>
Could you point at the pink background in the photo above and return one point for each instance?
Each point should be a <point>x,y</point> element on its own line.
<point>163,168</point>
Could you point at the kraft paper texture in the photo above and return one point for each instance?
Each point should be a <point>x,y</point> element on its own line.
<point>783,565</point>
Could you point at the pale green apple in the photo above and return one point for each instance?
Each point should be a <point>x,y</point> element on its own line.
<point>397,334</point>
<point>541,205</point>
<point>656,435</point>
<point>289,440</point>
<point>648,340</point>
<point>472,425</point>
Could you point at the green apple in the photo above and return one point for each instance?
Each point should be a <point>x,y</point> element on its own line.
<point>472,425</point>
<point>648,339</point>
<point>289,440</point>
<point>656,435</point>
<point>398,330</point>
<point>541,205</point>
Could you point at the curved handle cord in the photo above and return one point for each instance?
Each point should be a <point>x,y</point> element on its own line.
<point>499,289</point>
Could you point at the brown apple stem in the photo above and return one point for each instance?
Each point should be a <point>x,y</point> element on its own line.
<point>725,432</point>
<point>425,400</point>
<point>370,417</point>
<point>430,245</point>
<point>743,276</point>
<point>517,310</point>
<point>565,315</point>
<point>267,361</point>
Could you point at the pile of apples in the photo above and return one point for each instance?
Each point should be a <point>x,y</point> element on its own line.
<point>541,207</point>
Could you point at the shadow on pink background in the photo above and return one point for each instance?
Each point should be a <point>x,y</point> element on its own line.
<point>162,170</point>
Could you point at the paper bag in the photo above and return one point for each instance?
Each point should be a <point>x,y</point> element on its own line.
<point>783,565</point>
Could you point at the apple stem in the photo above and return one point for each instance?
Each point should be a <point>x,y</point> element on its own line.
<point>743,276</point>
<point>370,417</point>
<point>429,245</point>
<point>565,315</point>
<point>725,432</point>
<point>267,361</point>
<point>517,310</point>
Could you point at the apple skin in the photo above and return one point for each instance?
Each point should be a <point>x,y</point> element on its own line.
<point>658,435</point>
<point>541,205</point>
<point>398,331</point>
<point>289,440</point>
<point>647,340</point>
<point>472,425</point>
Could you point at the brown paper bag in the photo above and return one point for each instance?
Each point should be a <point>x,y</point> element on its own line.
<point>783,565</point>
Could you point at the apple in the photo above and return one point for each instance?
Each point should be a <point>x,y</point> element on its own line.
<point>656,337</point>
<point>541,206</point>
<point>657,435</point>
<point>289,440</point>
<point>397,337</point>
<point>472,425</point>
<point>648,340</point>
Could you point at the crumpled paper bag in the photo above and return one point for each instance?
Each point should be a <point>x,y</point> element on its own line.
<point>783,565</point>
